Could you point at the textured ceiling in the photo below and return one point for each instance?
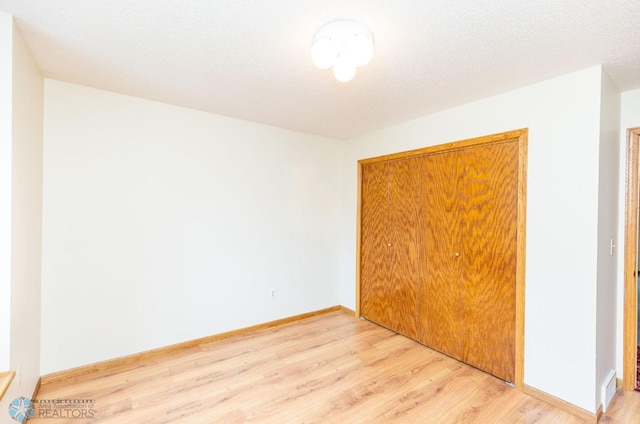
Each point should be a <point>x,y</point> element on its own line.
<point>249,59</point>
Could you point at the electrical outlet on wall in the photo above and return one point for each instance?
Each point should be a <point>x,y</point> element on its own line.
<point>272,293</point>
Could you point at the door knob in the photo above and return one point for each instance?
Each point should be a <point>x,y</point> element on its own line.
<point>457,253</point>
<point>389,244</point>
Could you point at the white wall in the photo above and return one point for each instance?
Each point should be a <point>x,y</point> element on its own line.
<point>608,176</point>
<point>563,116</point>
<point>6,37</point>
<point>629,118</point>
<point>25,210</point>
<point>164,224</point>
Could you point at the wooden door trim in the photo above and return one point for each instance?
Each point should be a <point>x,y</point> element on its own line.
<point>521,257</point>
<point>630,342</point>
<point>521,136</point>
<point>358,239</point>
<point>448,147</point>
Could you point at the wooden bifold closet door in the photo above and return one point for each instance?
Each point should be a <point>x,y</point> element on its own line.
<point>438,245</point>
<point>489,258</point>
<point>440,310</point>
<point>390,270</point>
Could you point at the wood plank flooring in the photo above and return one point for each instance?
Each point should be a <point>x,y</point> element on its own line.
<point>331,368</point>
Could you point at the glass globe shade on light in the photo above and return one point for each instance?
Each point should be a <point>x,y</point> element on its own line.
<point>344,70</point>
<point>324,52</point>
<point>360,49</point>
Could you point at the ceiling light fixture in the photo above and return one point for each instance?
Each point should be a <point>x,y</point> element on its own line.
<point>344,45</point>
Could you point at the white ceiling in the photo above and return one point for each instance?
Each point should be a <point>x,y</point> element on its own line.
<point>249,59</point>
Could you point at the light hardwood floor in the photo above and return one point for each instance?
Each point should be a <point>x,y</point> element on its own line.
<point>332,368</point>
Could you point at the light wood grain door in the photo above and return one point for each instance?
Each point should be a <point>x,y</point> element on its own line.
<point>489,255</point>
<point>373,243</point>
<point>404,246</point>
<point>389,272</point>
<point>440,311</point>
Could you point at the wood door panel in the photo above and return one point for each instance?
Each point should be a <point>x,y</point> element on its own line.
<point>439,247</point>
<point>373,243</point>
<point>404,216</point>
<point>440,310</point>
<point>489,258</point>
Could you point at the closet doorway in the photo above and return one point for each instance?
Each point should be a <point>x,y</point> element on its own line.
<point>440,251</point>
<point>631,266</point>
